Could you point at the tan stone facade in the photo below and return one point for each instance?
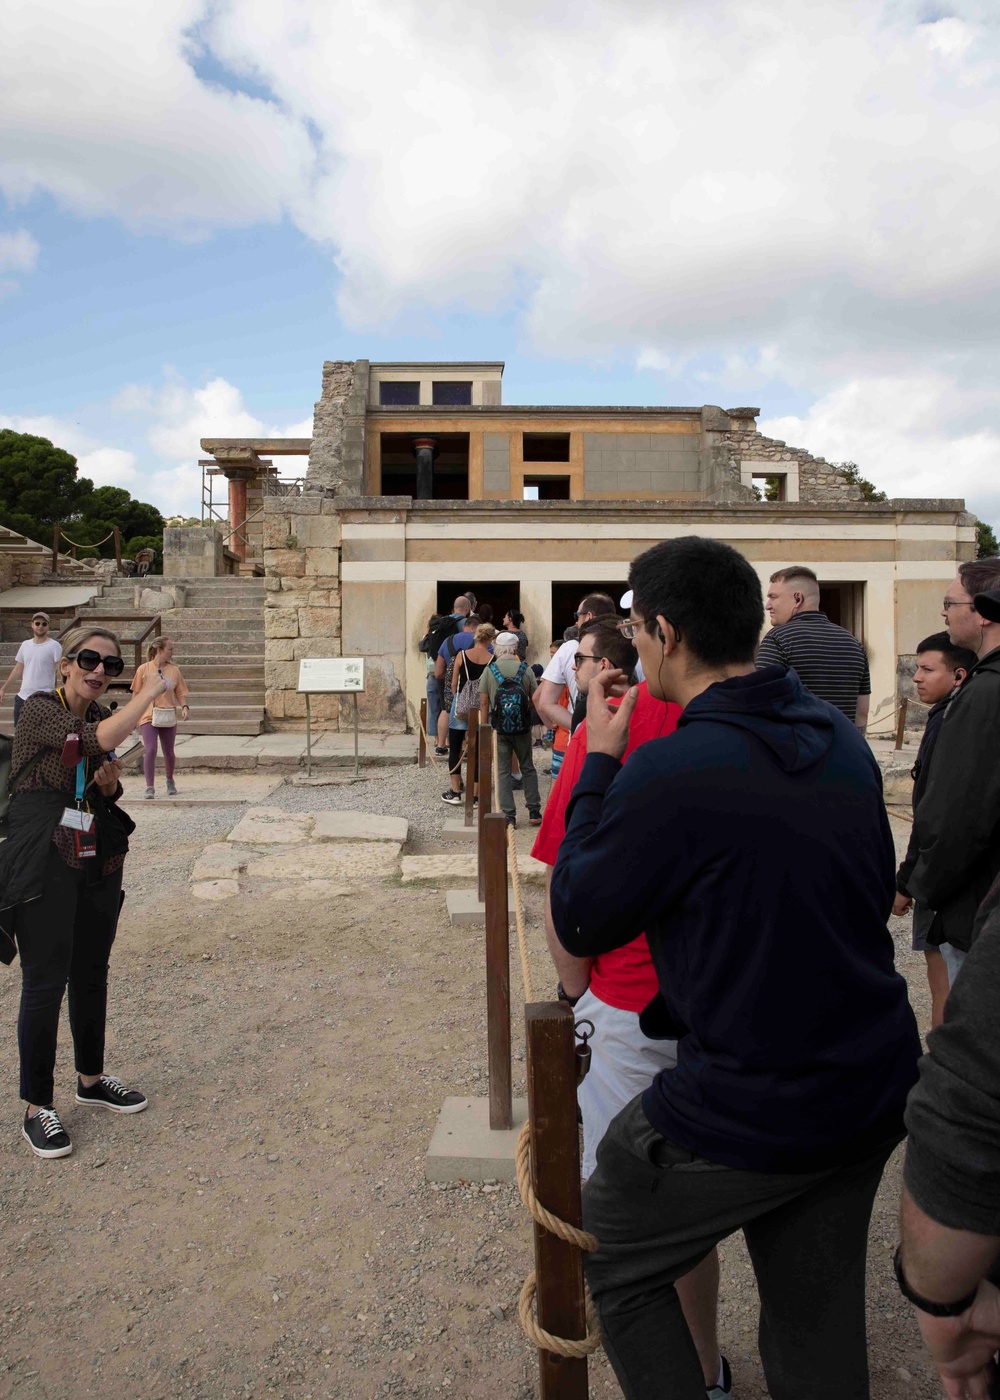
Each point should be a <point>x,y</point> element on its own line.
<point>355,565</point>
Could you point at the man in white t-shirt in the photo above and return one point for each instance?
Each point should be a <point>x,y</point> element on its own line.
<point>36,663</point>
<point>560,671</point>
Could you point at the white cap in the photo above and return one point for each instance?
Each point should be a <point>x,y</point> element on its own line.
<point>506,639</point>
<point>625,601</point>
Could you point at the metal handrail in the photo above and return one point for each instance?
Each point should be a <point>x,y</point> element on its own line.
<point>154,628</point>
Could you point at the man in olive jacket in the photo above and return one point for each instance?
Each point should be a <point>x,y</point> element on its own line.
<point>957,821</point>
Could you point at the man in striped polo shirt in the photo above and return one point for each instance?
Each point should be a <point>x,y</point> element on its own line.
<point>829,660</point>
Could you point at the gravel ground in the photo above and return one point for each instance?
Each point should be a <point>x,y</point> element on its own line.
<point>265,1228</point>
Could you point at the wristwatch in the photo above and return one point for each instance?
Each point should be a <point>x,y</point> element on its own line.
<point>925,1304</point>
<point>563,995</point>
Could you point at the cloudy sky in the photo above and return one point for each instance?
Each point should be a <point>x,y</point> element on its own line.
<point>773,203</point>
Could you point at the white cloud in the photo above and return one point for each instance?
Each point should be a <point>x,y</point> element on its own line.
<point>18,253</point>
<point>927,435</point>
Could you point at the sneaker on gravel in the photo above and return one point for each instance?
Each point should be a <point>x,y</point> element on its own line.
<point>150,792</point>
<point>534,816</point>
<point>110,1092</point>
<point>45,1135</point>
<point>511,818</point>
<point>453,799</point>
<point>725,1390</point>
<point>440,749</point>
<point>171,788</point>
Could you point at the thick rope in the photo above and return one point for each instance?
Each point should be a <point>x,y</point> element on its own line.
<point>545,1341</point>
<point>583,1239</point>
<point>522,942</point>
<point>63,536</point>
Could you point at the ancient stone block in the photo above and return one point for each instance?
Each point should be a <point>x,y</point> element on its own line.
<point>274,703</point>
<point>281,622</point>
<point>323,561</point>
<point>313,889</point>
<point>281,675</point>
<point>276,531</point>
<point>271,826</point>
<point>319,598</point>
<point>314,622</point>
<point>217,861</point>
<point>280,650</point>
<point>316,646</point>
<point>359,826</point>
<point>357,860</point>
<point>215,889</point>
<point>286,562</point>
<point>291,584</point>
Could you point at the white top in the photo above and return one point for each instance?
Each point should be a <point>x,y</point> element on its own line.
<point>39,660</point>
<point>560,668</point>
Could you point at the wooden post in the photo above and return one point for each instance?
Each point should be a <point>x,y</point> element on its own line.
<point>55,548</point>
<point>555,1160</point>
<point>901,722</point>
<point>118,549</point>
<point>498,971</point>
<point>484,738</point>
<point>470,765</point>
<point>422,742</point>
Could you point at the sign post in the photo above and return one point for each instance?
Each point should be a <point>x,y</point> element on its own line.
<point>331,675</point>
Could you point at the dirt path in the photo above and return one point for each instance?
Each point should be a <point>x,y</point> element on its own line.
<point>265,1228</point>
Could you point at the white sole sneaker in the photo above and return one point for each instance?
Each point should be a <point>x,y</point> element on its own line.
<point>46,1151</point>
<point>128,1108</point>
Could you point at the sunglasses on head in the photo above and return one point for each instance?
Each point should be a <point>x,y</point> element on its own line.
<point>89,660</point>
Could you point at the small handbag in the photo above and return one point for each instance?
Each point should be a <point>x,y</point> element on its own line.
<point>468,697</point>
<point>164,717</point>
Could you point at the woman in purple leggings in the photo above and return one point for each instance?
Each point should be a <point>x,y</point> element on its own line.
<point>161,719</point>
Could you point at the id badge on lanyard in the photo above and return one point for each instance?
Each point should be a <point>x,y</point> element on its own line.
<point>81,823</point>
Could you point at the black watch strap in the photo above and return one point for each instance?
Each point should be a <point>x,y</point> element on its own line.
<point>924,1304</point>
<point>563,995</point>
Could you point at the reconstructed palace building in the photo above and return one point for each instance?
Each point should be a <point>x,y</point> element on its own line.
<point>422,483</point>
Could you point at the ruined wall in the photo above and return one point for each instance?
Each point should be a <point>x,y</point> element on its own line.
<point>302,604</point>
<point>820,482</point>
<point>337,456</point>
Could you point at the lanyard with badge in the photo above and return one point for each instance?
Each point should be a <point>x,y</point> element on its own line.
<point>78,819</point>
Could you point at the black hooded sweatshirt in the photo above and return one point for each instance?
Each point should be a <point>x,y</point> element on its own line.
<point>753,848</point>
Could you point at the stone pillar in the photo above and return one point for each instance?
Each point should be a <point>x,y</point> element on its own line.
<point>337,456</point>
<point>425,450</point>
<point>720,475</point>
<point>238,479</point>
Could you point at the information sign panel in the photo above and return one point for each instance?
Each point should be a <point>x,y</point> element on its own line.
<point>332,675</point>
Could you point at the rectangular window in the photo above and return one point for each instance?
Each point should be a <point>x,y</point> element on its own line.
<point>545,447</point>
<point>399,393</point>
<point>546,488</point>
<point>451,393</point>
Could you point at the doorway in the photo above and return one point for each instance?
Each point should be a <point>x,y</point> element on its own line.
<point>844,604</point>
<point>498,595</point>
<point>566,599</point>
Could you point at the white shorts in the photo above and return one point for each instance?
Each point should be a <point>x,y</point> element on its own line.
<point>624,1063</point>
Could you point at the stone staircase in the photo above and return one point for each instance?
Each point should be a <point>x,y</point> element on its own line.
<point>37,558</point>
<point>219,647</point>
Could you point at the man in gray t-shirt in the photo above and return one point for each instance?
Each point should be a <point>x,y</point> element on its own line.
<point>36,664</point>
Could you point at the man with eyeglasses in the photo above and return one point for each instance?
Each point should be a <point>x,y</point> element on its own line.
<point>35,665</point>
<point>956,825</point>
<point>753,848</point>
<point>560,673</point>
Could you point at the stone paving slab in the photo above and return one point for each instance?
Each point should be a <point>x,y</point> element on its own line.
<point>215,889</point>
<point>243,752</point>
<point>465,1148</point>
<point>359,826</point>
<point>312,889</point>
<point>464,908</point>
<point>439,870</point>
<point>347,860</point>
<point>218,861</point>
<point>455,830</point>
<point>272,826</point>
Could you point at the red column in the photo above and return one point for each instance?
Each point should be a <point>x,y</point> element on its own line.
<point>238,515</point>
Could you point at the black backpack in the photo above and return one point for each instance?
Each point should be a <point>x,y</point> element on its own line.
<point>9,780</point>
<point>511,713</point>
<point>438,634</point>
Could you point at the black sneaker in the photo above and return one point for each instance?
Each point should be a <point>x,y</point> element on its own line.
<point>453,799</point>
<point>110,1092</point>
<point>45,1135</point>
<point>534,816</point>
<point>511,818</point>
<point>441,750</point>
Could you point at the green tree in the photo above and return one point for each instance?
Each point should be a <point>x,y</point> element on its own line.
<point>987,546</point>
<point>39,488</point>
<point>869,491</point>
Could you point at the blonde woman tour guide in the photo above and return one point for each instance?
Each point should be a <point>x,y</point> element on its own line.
<point>61,877</point>
<point>159,722</point>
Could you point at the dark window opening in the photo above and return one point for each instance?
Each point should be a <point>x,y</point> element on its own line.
<point>546,488</point>
<point>451,466</point>
<point>500,596</point>
<point>451,393</point>
<point>545,447</point>
<point>844,604</point>
<point>566,599</point>
<point>399,393</point>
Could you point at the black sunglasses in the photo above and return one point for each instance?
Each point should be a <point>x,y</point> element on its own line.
<point>89,660</point>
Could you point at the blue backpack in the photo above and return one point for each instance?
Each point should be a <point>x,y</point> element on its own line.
<point>511,713</point>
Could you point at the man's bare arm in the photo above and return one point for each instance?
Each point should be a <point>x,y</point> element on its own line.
<point>861,713</point>
<point>16,674</point>
<point>556,716</point>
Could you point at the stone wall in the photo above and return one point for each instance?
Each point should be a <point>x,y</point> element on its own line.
<point>337,456</point>
<point>193,551</point>
<point>820,482</point>
<point>302,615</point>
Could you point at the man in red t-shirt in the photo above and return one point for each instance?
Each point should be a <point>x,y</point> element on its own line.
<point>612,989</point>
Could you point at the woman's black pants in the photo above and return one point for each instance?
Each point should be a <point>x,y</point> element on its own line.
<point>64,939</point>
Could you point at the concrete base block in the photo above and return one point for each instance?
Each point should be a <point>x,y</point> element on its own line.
<point>464,907</point>
<point>456,830</point>
<point>464,1148</point>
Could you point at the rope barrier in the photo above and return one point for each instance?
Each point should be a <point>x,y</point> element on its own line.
<point>583,1239</point>
<point>545,1341</point>
<point>428,746</point>
<point>522,944</point>
<point>63,536</point>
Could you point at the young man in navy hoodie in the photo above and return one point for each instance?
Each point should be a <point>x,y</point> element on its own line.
<point>754,849</point>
